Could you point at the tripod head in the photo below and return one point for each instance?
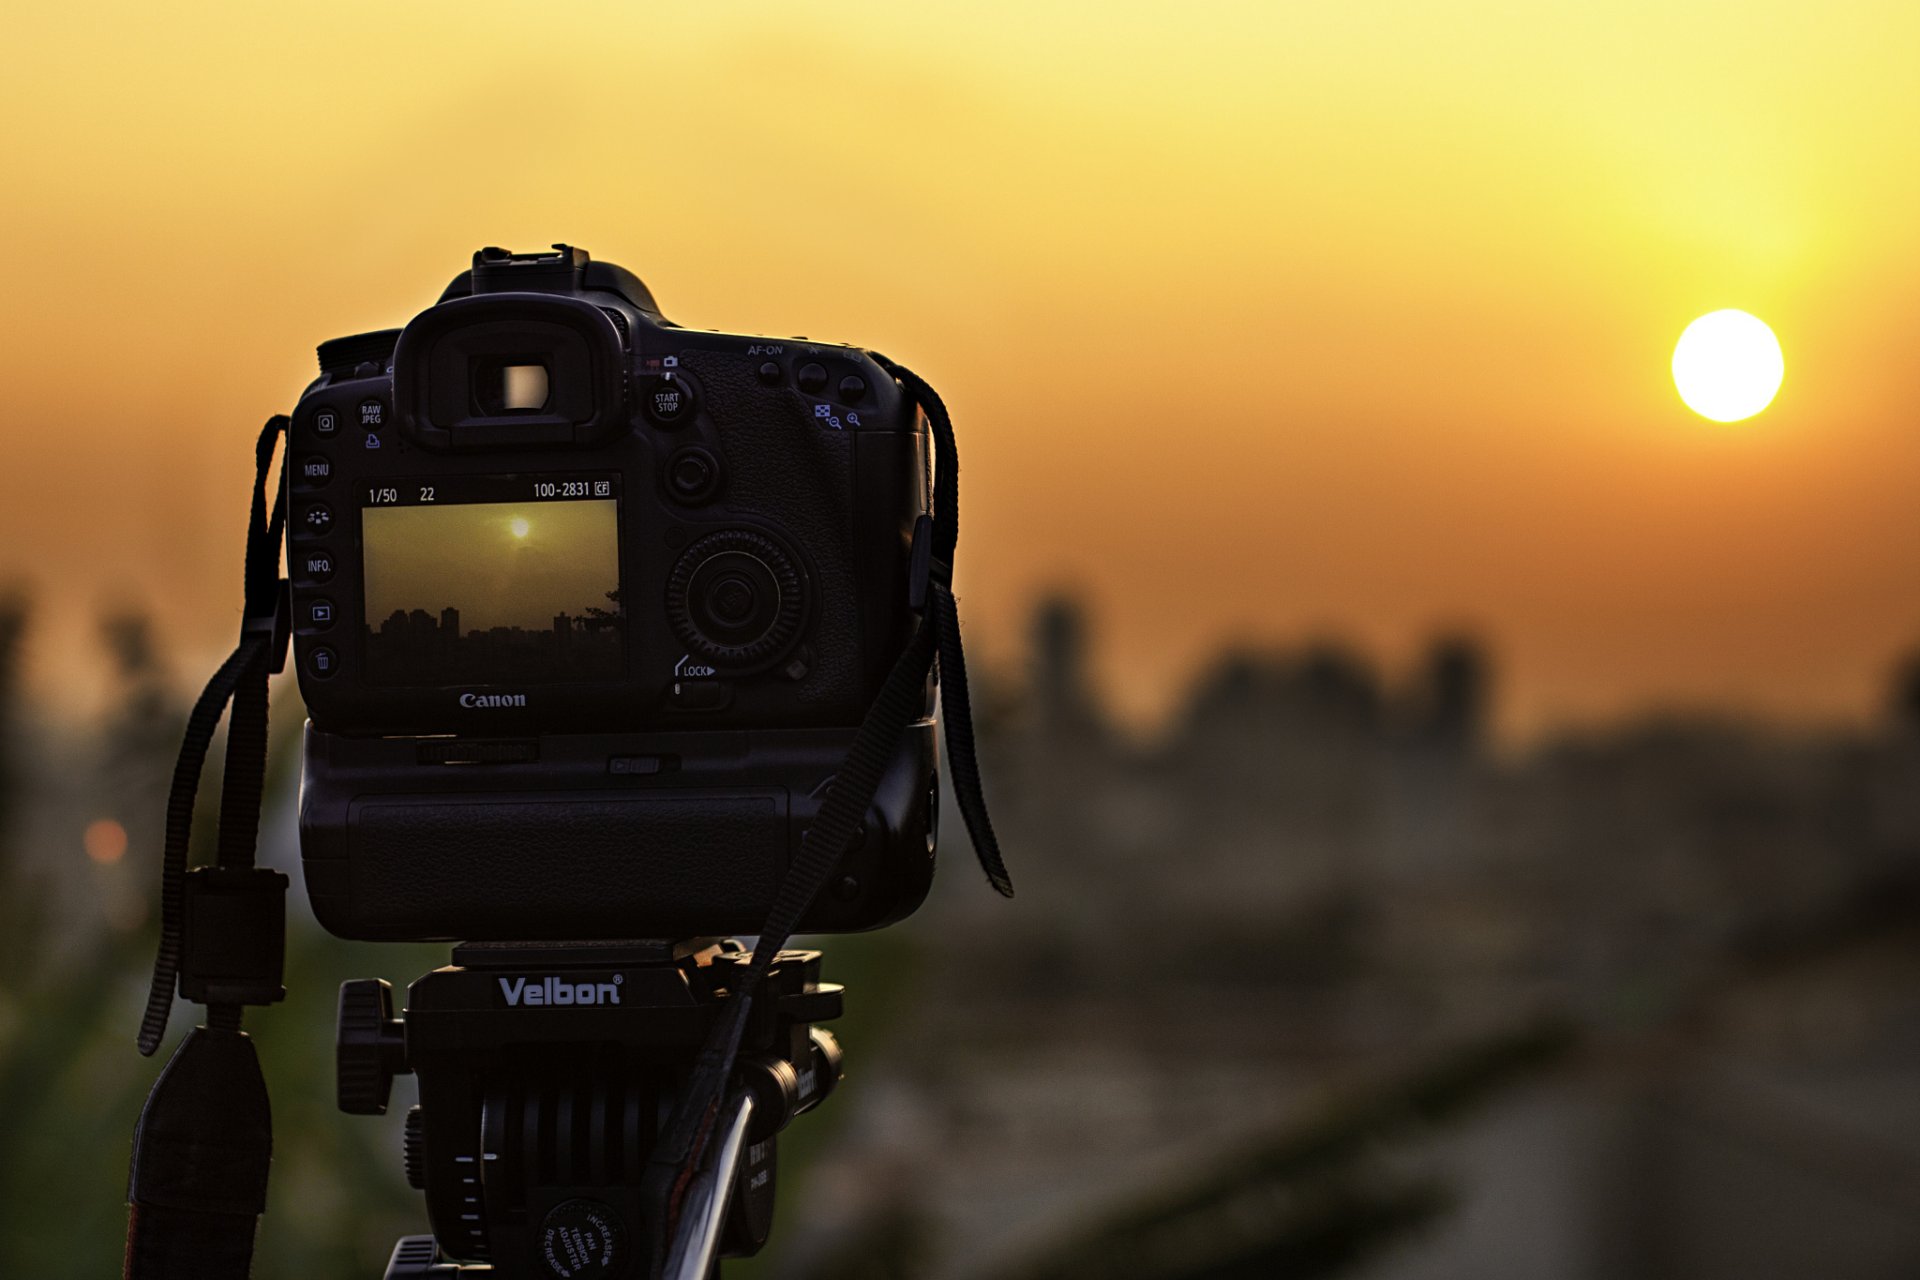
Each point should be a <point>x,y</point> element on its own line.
<point>545,1072</point>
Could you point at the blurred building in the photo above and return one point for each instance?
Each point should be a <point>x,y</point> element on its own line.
<point>1320,875</point>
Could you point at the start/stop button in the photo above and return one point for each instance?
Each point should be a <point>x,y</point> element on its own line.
<point>670,402</point>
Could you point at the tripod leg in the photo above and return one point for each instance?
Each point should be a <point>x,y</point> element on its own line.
<point>695,1252</point>
<point>418,1258</point>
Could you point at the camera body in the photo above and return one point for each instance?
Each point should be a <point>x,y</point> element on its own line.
<point>586,610</point>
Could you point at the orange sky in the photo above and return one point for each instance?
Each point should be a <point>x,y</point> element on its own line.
<point>1260,320</point>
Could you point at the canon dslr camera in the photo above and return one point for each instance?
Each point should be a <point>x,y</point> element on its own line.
<point>587,608</point>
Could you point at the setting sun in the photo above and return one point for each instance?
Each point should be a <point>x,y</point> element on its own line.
<point>519,526</point>
<point>1727,365</point>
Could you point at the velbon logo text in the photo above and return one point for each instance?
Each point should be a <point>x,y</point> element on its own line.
<point>551,990</point>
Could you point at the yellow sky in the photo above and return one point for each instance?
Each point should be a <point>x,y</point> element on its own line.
<point>1260,319</point>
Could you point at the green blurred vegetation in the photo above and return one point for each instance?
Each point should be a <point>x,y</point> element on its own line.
<point>75,954</point>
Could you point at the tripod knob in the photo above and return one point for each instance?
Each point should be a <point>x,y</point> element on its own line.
<point>413,1149</point>
<point>370,1048</point>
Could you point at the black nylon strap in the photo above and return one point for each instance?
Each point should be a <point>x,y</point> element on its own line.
<point>204,1142</point>
<point>201,724</point>
<point>682,1148</point>
<point>200,1155</point>
<point>241,679</point>
<point>956,706</point>
<point>244,780</point>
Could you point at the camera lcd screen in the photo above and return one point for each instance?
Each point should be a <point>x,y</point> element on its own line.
<point>493,579</point>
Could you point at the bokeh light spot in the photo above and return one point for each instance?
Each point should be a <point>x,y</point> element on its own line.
<point>105,841</point>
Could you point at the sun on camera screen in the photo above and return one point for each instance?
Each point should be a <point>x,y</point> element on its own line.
<point>493,579</point>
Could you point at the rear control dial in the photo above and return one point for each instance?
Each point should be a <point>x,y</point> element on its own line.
<point>735,597</point>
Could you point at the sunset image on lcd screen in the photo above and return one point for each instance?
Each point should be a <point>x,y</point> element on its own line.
<point>489,591</point>
<point>1727,365</point>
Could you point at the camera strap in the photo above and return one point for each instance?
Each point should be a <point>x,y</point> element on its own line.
<point>685,1144</point>
<point>204,1141</point>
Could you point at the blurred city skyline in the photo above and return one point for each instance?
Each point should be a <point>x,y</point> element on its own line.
<point>1348,322</point>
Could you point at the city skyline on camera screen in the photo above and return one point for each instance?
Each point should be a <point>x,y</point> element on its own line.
<point>482,592</point>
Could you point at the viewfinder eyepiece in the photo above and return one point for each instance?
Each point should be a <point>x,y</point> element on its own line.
<point>510,385</point>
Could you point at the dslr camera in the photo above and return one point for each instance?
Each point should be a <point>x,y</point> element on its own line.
<point>587,608</point>
<point>615,637</point>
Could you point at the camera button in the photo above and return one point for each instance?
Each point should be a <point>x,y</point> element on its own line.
<point>852,388</point>
<point>670,402</point>
<point>373,414</point>
<point>317,518</point>
<point>693,475</point>
<point>317,566</point>
<point>700,695</point>
<point>811,377</point>
<point>316,470</point>
<point>320,613</point>
<point>770,372</point>
<point>325,421</point>
<point>322,662</point>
